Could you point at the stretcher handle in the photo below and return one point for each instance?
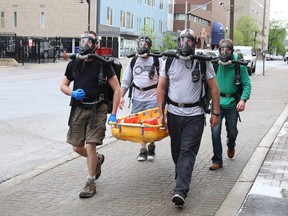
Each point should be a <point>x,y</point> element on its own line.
<point>245,63</point>
<point>187,58</point>
<point>145,55</point>
<point>91,55</point>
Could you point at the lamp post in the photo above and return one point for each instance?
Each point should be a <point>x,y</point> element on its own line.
<point>256,32</point>
<point>88,1</point>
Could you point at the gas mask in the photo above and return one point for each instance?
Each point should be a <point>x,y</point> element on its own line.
<point>186,43</point>
<point>226,53</point>
<point>144,45</point>
<point>87,44</point>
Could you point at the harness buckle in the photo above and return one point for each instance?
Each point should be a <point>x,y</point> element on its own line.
<point>182,105</point>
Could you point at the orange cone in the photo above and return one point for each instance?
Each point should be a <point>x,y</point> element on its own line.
<point>65,55</point>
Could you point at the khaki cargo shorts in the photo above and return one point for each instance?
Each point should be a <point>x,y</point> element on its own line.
<point>80,132</point>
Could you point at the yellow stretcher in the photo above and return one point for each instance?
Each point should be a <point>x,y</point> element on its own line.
<point>142,127</point>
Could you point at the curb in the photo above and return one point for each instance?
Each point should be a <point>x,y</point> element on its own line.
<point>235,198</point>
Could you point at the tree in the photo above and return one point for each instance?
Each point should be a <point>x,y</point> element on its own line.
<point>168,43</point>
<point>245,29</point>
<point>147,31</point>
<point>277,34</point>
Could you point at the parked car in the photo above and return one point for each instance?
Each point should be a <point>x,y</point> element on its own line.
<point>249,56</point>
<point>286,58</point>
<point>49,48</point>
<point>208,52</point>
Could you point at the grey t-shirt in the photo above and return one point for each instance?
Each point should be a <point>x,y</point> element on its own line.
<point>141,78</point>
<point>181,87</point>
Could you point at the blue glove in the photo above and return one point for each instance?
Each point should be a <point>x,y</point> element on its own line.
<point>112,119</point>
<point>78,94</point>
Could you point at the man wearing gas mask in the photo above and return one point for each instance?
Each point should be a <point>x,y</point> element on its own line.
<point>185,115</point>
<point>141,75</point>
<point>230,103</point>
<point>87,121</point>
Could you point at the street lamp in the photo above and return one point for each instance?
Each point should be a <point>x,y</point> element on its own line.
<point>88,1</point>
<point>256,32</point>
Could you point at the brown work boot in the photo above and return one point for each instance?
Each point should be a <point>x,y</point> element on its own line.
<point>100,161</point>
<point>215,166</point>
<point>88,191</point>
<point>231,152</point>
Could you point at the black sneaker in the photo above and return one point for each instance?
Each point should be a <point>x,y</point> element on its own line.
<point>143,155</point>
<point>178,200</point>
<point>151,151</point>
<point>100,161</point>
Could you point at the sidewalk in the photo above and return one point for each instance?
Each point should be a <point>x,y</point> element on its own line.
<point>128,187</point>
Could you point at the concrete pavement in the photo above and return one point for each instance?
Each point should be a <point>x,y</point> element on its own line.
<point>128,187</point>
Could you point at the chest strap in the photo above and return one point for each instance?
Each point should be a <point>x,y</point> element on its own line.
<point>182,105</point>
<point>146,88</point>
<point>228,95</point>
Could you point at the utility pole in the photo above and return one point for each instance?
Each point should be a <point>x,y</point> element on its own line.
<point>263,35</point>
<point>231,31</point>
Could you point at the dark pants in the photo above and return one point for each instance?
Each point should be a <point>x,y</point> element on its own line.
<point>186,133</point>
<point>231,119</point>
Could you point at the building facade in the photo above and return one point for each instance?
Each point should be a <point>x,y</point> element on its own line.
<point>119,23</point>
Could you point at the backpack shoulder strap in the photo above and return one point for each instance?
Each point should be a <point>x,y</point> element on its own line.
<point>168,63</point>
<point>203,68</point>
<point>237,75</point>
<point>132,64</point>
<point>156,63</point>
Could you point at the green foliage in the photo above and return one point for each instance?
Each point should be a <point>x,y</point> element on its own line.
<point>147,31</point>
<point>245,28</point>
<point>277,34</point>
<point>168,43</point>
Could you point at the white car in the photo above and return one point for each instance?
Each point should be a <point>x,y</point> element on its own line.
<point>249,56</point>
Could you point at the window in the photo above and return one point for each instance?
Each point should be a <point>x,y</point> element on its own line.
<point>180,16</point>
<point>42,20</point>
<point>109,16</point>
<point>150,3</point>
<point>2,20</point>
<point>160,27</point>
<point>122,19</point>
<point>14,19</point>
<point>129,20</point>
<point>161,6</point>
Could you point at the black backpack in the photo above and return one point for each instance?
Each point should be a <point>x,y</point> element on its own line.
<point>117,66</point>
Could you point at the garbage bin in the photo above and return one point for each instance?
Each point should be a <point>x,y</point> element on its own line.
<point>104,51</point>
<point>77,49</point>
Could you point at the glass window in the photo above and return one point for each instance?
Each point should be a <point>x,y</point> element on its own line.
<point>161,6</point>
<point>109,16</point>
<point>42,20</point>
<point>2,19</point>
<point>14,19</point>
<point>122,19</point>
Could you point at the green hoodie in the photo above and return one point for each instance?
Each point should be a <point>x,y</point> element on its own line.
<point>226,81</point>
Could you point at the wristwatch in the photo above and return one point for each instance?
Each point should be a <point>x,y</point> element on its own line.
<point>244,100</point>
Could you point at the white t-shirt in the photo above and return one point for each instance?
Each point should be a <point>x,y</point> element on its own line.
<point>181,87</point>
<point>141,78</point>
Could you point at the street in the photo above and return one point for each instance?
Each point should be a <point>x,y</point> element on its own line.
<point>34,115</point>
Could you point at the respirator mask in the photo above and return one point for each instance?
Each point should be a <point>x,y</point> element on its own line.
<point>226,53</point>
<point>87,44</point>
<point>144,45</point>
<point>186,43</point>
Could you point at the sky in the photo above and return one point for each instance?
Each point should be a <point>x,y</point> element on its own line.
<point>279,9</point>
